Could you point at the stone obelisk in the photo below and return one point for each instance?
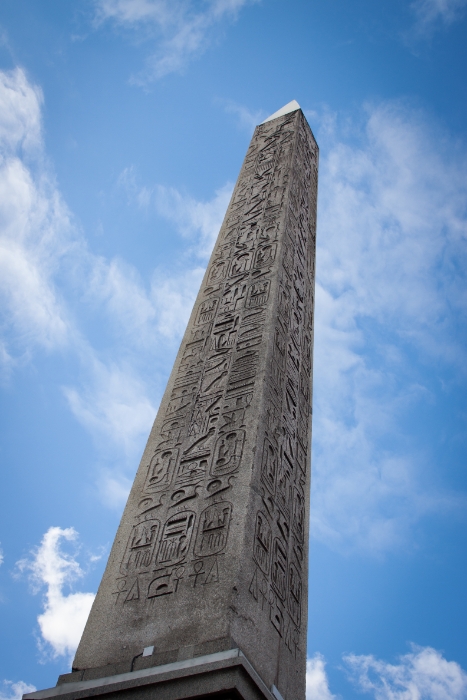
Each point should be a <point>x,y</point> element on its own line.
<point>205,590</point>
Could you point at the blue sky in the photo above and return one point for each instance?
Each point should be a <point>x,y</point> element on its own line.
<point>123,125</point>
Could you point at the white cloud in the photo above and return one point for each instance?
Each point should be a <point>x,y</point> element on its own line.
<point>391,227</point>
<point>34,223</point>
<point>317,686</point>
<point>15,691</point>
<point>430,12</point>
<point>1,556</point>
<point>64,617</point>
<point>423,674</point>
<point>112,405</point>
<point>135,11</point>
<point>181,29</point>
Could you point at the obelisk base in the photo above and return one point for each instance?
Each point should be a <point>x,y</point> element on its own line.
<point>225,675</point>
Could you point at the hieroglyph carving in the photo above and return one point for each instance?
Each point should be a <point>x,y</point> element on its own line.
<point>263,260</point>
<point>212,547</point>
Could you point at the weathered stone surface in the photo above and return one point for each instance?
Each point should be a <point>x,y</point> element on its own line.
<point>211,552</point>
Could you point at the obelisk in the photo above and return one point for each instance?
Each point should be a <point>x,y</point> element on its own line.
<point>205,590</point>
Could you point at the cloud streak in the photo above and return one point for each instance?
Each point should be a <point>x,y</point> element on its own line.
<point>64,615</point>
<point>180,28</point>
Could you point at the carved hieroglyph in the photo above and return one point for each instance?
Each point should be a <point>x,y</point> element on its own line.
<point>212,547</point>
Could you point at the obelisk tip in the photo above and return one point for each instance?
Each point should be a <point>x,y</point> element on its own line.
<point>289,107</point>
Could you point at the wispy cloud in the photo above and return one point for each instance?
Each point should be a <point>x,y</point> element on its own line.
<point>64,615</point>
<point>199,221</point>
<point>15,691</point>
<point>423,673</point>
<point>430,14</point>
<point>246,118</point>
<point>114,399</point>
<point>34,220</point>
<point>181,29</point>
<point>196,220</point>
<point>390,283</point>
<point>317,685</point>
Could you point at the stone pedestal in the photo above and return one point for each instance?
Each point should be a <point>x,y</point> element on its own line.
<point>223,676</point>
<point>211,555</point>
